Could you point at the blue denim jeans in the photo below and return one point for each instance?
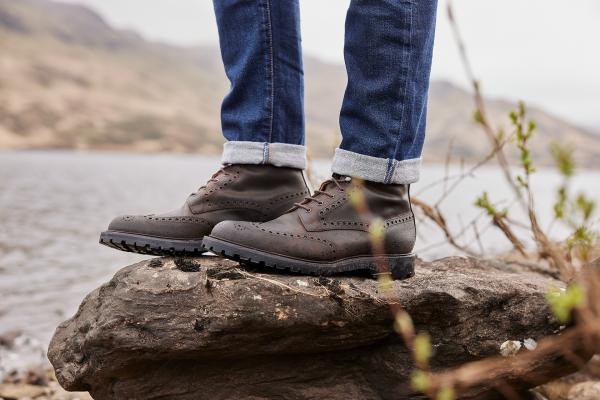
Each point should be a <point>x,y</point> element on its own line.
<point>388,52</point>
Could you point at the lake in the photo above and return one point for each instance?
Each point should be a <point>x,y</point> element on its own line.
<point>54,204</point>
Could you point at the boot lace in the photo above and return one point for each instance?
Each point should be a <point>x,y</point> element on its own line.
<point>213,178</point>
<point>322,191</point>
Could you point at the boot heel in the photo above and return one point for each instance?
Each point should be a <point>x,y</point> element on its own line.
<point>400,267</point>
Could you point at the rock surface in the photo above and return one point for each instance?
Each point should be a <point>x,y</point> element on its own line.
<point>208,328</point>
<point>585,391</point>
<point>575,386</point>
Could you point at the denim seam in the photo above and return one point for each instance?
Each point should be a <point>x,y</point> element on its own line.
<point>388,172</point>
<point>406,56</point>
<point>265,157</point>
<point>270,68</point>
<point>392,169</point>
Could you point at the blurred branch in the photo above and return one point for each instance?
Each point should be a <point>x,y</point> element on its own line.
<point>481,115</point>
<point>435,215</point>
<point>569,350</point>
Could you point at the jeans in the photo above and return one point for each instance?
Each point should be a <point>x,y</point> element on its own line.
<point>388,52</point>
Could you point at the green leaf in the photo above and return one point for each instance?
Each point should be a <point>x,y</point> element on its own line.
<point>356,197</point>
<point>561,203</point>
<point>422,349</point>
<point>483,202</point>
<point>377,230</point>
<point>478,117</point>
<point>563,158</point>
<point>522,137</point>
<point>446,393</point>
<point>585,206</point>
<point>562,302</point>
<point>403,323</point>
<point>385,282</point>
<point>522,109</point>
<point>531,127</point>
<point>419,381</point>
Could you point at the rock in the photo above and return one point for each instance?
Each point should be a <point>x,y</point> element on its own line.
<point>510,348</point>
<point>7,339</point>
<point>585,391</point>
<point>208,328</point>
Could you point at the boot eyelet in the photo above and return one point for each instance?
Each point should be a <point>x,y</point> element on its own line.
<point>308,211</point>
<point>320,203</point>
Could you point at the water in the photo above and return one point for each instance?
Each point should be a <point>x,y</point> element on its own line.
<point>54,204</point>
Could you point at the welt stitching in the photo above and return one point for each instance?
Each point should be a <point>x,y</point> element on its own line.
<point>294,235</point>
<point>388,222</point>
<point>398,220</point>
<point>287,196</point>
<point>185,220</point>
<point>346,223</point>
<point>231,202</point>
<point>253,203</point>
<point>236,204</point>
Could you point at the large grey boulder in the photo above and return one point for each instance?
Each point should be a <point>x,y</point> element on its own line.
<point>208,328</point>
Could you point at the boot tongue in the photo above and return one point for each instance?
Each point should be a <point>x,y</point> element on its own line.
<point>341,179</point>
<point>213,178</point>
<point>325,186</point>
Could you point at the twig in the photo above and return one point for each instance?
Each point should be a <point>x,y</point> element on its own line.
<point>436,216</point>
<point>526,369</point>
<point>480,106</point>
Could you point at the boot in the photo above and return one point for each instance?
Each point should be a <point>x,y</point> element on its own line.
<point>330,232</point>
<point>236,192</point>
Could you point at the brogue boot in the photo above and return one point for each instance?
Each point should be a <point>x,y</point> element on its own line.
<point>347,225</point>
<point>236,192</point>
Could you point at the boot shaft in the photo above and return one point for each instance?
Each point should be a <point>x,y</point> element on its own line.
<point>267,189</point>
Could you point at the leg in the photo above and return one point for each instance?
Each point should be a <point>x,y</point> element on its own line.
<point>263,120</point>
<point>262,115</point>
<point>388,55</point>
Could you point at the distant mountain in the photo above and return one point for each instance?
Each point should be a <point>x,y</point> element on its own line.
<point>69,80</point>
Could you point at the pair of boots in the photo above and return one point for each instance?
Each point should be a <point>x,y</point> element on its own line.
<point>265,215</point>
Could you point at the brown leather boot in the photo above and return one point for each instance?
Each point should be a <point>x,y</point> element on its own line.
<point>325,234</point>
<point>236,192</point>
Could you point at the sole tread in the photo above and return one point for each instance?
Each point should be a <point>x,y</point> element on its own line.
<point>401,266</point>
<point>149,245</point>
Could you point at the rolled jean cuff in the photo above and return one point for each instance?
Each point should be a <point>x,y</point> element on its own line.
<point>374,169</point>
<point>277,154</point>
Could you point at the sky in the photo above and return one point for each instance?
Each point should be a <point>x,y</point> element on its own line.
<point>545,52</point>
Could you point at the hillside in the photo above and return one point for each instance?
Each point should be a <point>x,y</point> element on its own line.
<point>69,80</point>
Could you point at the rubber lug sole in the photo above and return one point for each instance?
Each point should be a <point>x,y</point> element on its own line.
<point>401,266</point>
<point>150,245</point>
